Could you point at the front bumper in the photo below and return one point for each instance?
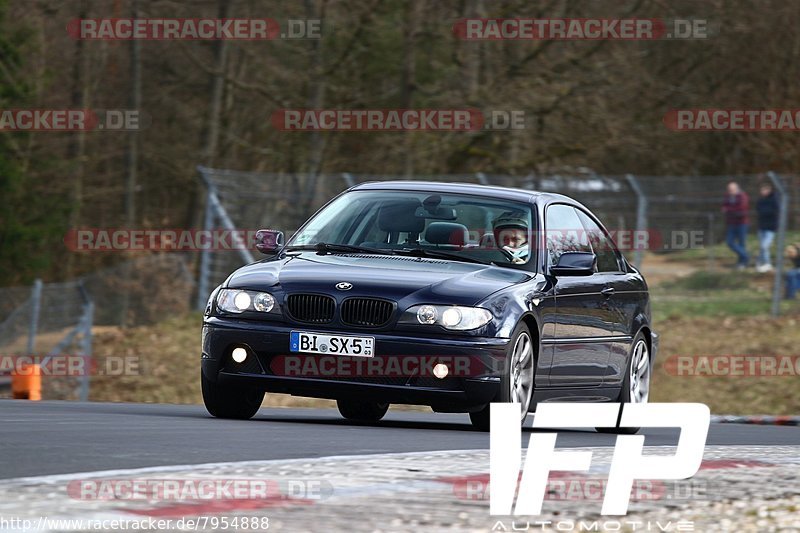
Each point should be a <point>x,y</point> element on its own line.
<point>470,385</point>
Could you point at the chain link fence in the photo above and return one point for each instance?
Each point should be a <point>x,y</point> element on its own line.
<point>675,212</point>
<point>57,318</point>
<point>49,320</point>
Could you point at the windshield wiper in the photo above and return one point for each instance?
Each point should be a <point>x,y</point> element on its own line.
<point>424,252</point>
<point>323,248</point>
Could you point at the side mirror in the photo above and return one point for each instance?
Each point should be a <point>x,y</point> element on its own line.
<point>575,264</point>
<point>269,242</point>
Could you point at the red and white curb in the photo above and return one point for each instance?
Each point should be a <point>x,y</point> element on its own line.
<point>430,491</point>
<point>762,420</point>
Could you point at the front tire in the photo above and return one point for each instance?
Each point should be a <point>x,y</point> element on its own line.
<point>361,410</point>
<point>636,385</point>
<point>227,401</point>
<point>517,383</point>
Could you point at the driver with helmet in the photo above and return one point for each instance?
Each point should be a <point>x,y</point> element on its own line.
<point>511,235</point>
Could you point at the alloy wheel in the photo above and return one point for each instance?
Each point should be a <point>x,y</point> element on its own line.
<point>639,378</point>
<point>521,374</point>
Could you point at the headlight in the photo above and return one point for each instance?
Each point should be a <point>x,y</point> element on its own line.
<point>447,316</point>
<point>210,303</point>
<point>239,301</point>
<point>427,314</point>
<point>263,302</point>
<point>242,301</point>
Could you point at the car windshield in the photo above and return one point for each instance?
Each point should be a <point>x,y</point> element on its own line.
<point>436,225</point>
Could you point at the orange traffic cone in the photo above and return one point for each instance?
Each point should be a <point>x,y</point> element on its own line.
<point>26,383</point>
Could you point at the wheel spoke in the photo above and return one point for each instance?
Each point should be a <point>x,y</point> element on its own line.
<point>639,374</point>
<point>521,373</point>
<point>520,350</point>
<point>524,356</point>
<point>642,360</point>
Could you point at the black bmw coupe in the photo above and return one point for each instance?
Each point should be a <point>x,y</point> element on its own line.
<point>446,295</point>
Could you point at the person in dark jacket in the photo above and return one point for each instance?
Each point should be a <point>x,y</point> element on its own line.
<point>793,275</point>
<point>735,207</point>
<point>767,208</point>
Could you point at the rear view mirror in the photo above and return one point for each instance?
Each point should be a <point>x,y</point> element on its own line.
<point>269,241</point>
<point>436,213</point>
<point>575,264</point>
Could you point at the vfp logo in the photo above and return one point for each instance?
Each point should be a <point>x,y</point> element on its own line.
<point>627,463</point>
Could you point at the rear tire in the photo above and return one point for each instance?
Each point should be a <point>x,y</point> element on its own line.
<point>228,401</point>
<point>638,373</point>
<point>361,410</point>
<point>517,383</point>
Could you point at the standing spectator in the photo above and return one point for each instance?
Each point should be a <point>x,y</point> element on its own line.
<point>767,208</point>
<point>735,208</point>
<point>793,275</point>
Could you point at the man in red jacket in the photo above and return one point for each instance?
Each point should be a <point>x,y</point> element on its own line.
<point>735,207</point>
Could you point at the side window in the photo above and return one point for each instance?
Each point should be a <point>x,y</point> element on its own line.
<point>603,247</point>
<point>564,232</point>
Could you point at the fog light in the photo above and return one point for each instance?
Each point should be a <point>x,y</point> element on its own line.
<point>240,354</point>
<point>440,371</point>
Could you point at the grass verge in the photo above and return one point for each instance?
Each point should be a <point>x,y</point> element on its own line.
<point>696,311</point>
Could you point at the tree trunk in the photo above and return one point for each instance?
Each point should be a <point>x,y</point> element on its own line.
<point>132,157</point>
<point>316,99</point>
<point>217,91</point>
<point>77,148</point>
<point>409,84</point>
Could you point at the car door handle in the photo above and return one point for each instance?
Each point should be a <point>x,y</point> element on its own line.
<point>608,291</point>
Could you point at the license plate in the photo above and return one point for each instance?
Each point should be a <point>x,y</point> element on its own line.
<point>306,342</point>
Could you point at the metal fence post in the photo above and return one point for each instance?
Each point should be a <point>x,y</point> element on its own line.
<point>641,214</point>
<point>482,179</point>
<point>348,179</point>
<point>86,349</point>
<point>710,241</point>
<point>780,242</point>
<point>36,300</point>
<point>205,255</point>
<point>218,211</point>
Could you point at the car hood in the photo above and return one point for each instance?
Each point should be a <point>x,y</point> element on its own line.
<point>392,277</point>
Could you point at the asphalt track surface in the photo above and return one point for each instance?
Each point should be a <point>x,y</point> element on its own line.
<point>43,438</point>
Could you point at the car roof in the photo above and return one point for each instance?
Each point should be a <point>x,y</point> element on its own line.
<point>490,191</point>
